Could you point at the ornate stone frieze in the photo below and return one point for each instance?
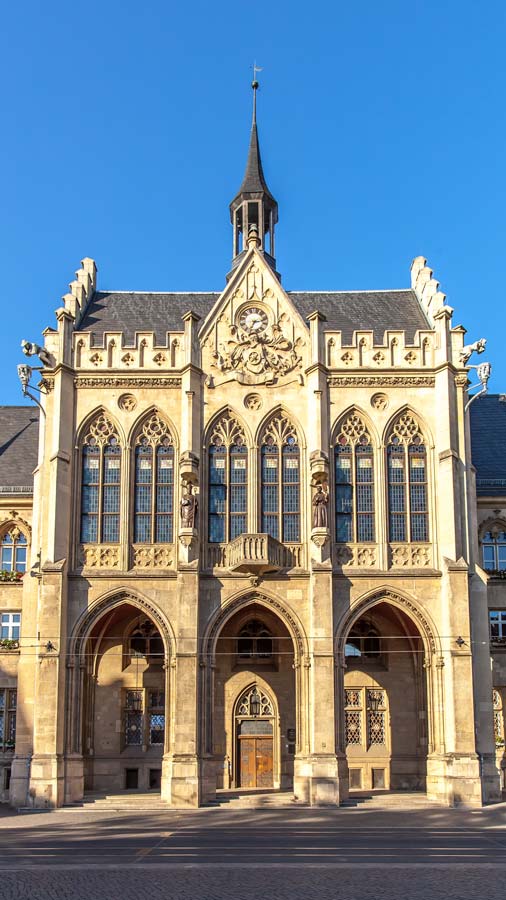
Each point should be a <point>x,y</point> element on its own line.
<point>412,556</point>
<point>361,556</point>
<point>99,556</point>
<point>381,381</point>
<point>125,381</point>
<point>153,556</point>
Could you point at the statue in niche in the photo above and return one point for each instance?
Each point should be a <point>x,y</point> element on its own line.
<point>320,508</point>
<point>189,507</point>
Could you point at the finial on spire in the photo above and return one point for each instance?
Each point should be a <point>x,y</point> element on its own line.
<point>255,86</point>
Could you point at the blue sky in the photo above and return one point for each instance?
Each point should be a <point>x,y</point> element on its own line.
<point>126,128</point>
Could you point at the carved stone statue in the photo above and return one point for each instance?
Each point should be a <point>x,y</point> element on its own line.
<point>469,349</point>
<point>320,508</point>
<point>189,508</point>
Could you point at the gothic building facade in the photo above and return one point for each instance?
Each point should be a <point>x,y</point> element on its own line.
<point>242,548</point>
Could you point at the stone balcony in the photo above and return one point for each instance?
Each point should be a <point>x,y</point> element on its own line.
<point>254,553</point>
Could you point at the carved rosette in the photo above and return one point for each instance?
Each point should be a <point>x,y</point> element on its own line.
<point>410,556</point>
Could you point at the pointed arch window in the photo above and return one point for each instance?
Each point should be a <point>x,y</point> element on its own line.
<point>407,482</point>
<point>154,483</point>
<point>100,483</point>
<point>280,487</point>
<point>354,482</point>
<point>228,481</point>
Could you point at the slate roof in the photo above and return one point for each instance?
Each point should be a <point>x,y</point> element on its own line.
<point>376,311</point>
<point>488,442</point>
<point>19,437</point>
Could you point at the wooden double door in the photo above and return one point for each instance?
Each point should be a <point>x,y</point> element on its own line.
<point>256,761</point>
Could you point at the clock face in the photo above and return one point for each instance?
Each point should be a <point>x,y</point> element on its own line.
<point>254,319</point>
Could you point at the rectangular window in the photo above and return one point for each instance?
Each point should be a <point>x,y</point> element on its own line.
<point>291,495</point>
<point>8,703</point>
<point>10,626</point>
<point>497,624</point>
<point>134,719</point>
<point>217,494</point>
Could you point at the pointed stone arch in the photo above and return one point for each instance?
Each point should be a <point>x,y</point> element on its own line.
<point>407,423</point>
<point>226,425</point>
<point>284,423</point>
<point>100,419</point>
<point>395,598</point>
<point>358,422</point>
<point>159,426</point>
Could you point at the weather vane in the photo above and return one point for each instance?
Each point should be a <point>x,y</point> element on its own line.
<point>256,69</point>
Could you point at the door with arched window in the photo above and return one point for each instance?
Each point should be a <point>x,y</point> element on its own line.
<point>254,730</point>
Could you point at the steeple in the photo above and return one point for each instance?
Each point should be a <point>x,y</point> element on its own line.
<point>254,211</point>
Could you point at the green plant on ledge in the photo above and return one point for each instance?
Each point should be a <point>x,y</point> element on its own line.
<point>13,577</point>
<point>9,644</point>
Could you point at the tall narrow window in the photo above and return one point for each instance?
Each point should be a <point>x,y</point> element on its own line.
<point>154,484</point>
<point>407,482</point>
<point>228,481</point>
<point>354,483</point>
<point>280,474</point>
<point>100,483</point>
<point>498,719</point>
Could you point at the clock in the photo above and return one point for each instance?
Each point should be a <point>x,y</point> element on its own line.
<point>253,319</point>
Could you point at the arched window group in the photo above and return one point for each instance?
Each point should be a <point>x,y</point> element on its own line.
<point>228,481</point>
<point>153,490</point>
<point>278,470</point>
<point>406,477</point>
<point>280,482</point>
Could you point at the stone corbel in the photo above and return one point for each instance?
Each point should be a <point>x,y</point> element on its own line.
<point>320,539</point>
<point>188,538</point>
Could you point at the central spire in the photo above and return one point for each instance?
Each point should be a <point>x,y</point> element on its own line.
<point>254,208</point>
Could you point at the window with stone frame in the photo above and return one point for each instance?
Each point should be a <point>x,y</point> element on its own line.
<point>493,548</point>
<point>498,718</point>
<point>13,550</point>
<point>254,641</point>
<point>8,704</point>
<point>10,626</point>
<point>134,718</point>
<point>156,717</point>
<point>354,482</point>
<point>154,483</point>
<point>365,717</point>
<point>408,512</point>
<point>228,481</point>
<point>497,621</point>
<point>280,481</point>
<point>100,483</point>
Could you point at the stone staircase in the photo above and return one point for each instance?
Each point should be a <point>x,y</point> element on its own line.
<point>254,799</point>
<point>126,801</point>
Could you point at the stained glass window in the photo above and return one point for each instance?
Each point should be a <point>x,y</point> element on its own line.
<point>154,484</point>
<point>407,483</point>
<point>280,482</point>
<point>228,481</point>
<point>100,483</point>
<point>354,483</point>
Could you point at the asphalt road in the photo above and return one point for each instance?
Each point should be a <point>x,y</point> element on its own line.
<point>278,853</point>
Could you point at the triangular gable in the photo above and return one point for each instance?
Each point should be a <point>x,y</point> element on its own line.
<point>254,334</point>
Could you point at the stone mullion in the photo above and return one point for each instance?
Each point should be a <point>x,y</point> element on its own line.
<point>381,505</point>
<point>126,508</point>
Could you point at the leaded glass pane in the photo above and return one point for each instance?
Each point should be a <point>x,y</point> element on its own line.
<point>110,531</point>
<point>6,562</point>
<point>156,728</point>
<point>133,728</point>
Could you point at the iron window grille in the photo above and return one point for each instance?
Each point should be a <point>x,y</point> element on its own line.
<point>365,717</point>
<point>8,704</point>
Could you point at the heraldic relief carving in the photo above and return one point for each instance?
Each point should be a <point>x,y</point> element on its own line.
<point>257,350</point>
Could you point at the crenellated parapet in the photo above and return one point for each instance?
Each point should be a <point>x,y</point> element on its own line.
<point>393,352</point>
<point>114,352</point>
